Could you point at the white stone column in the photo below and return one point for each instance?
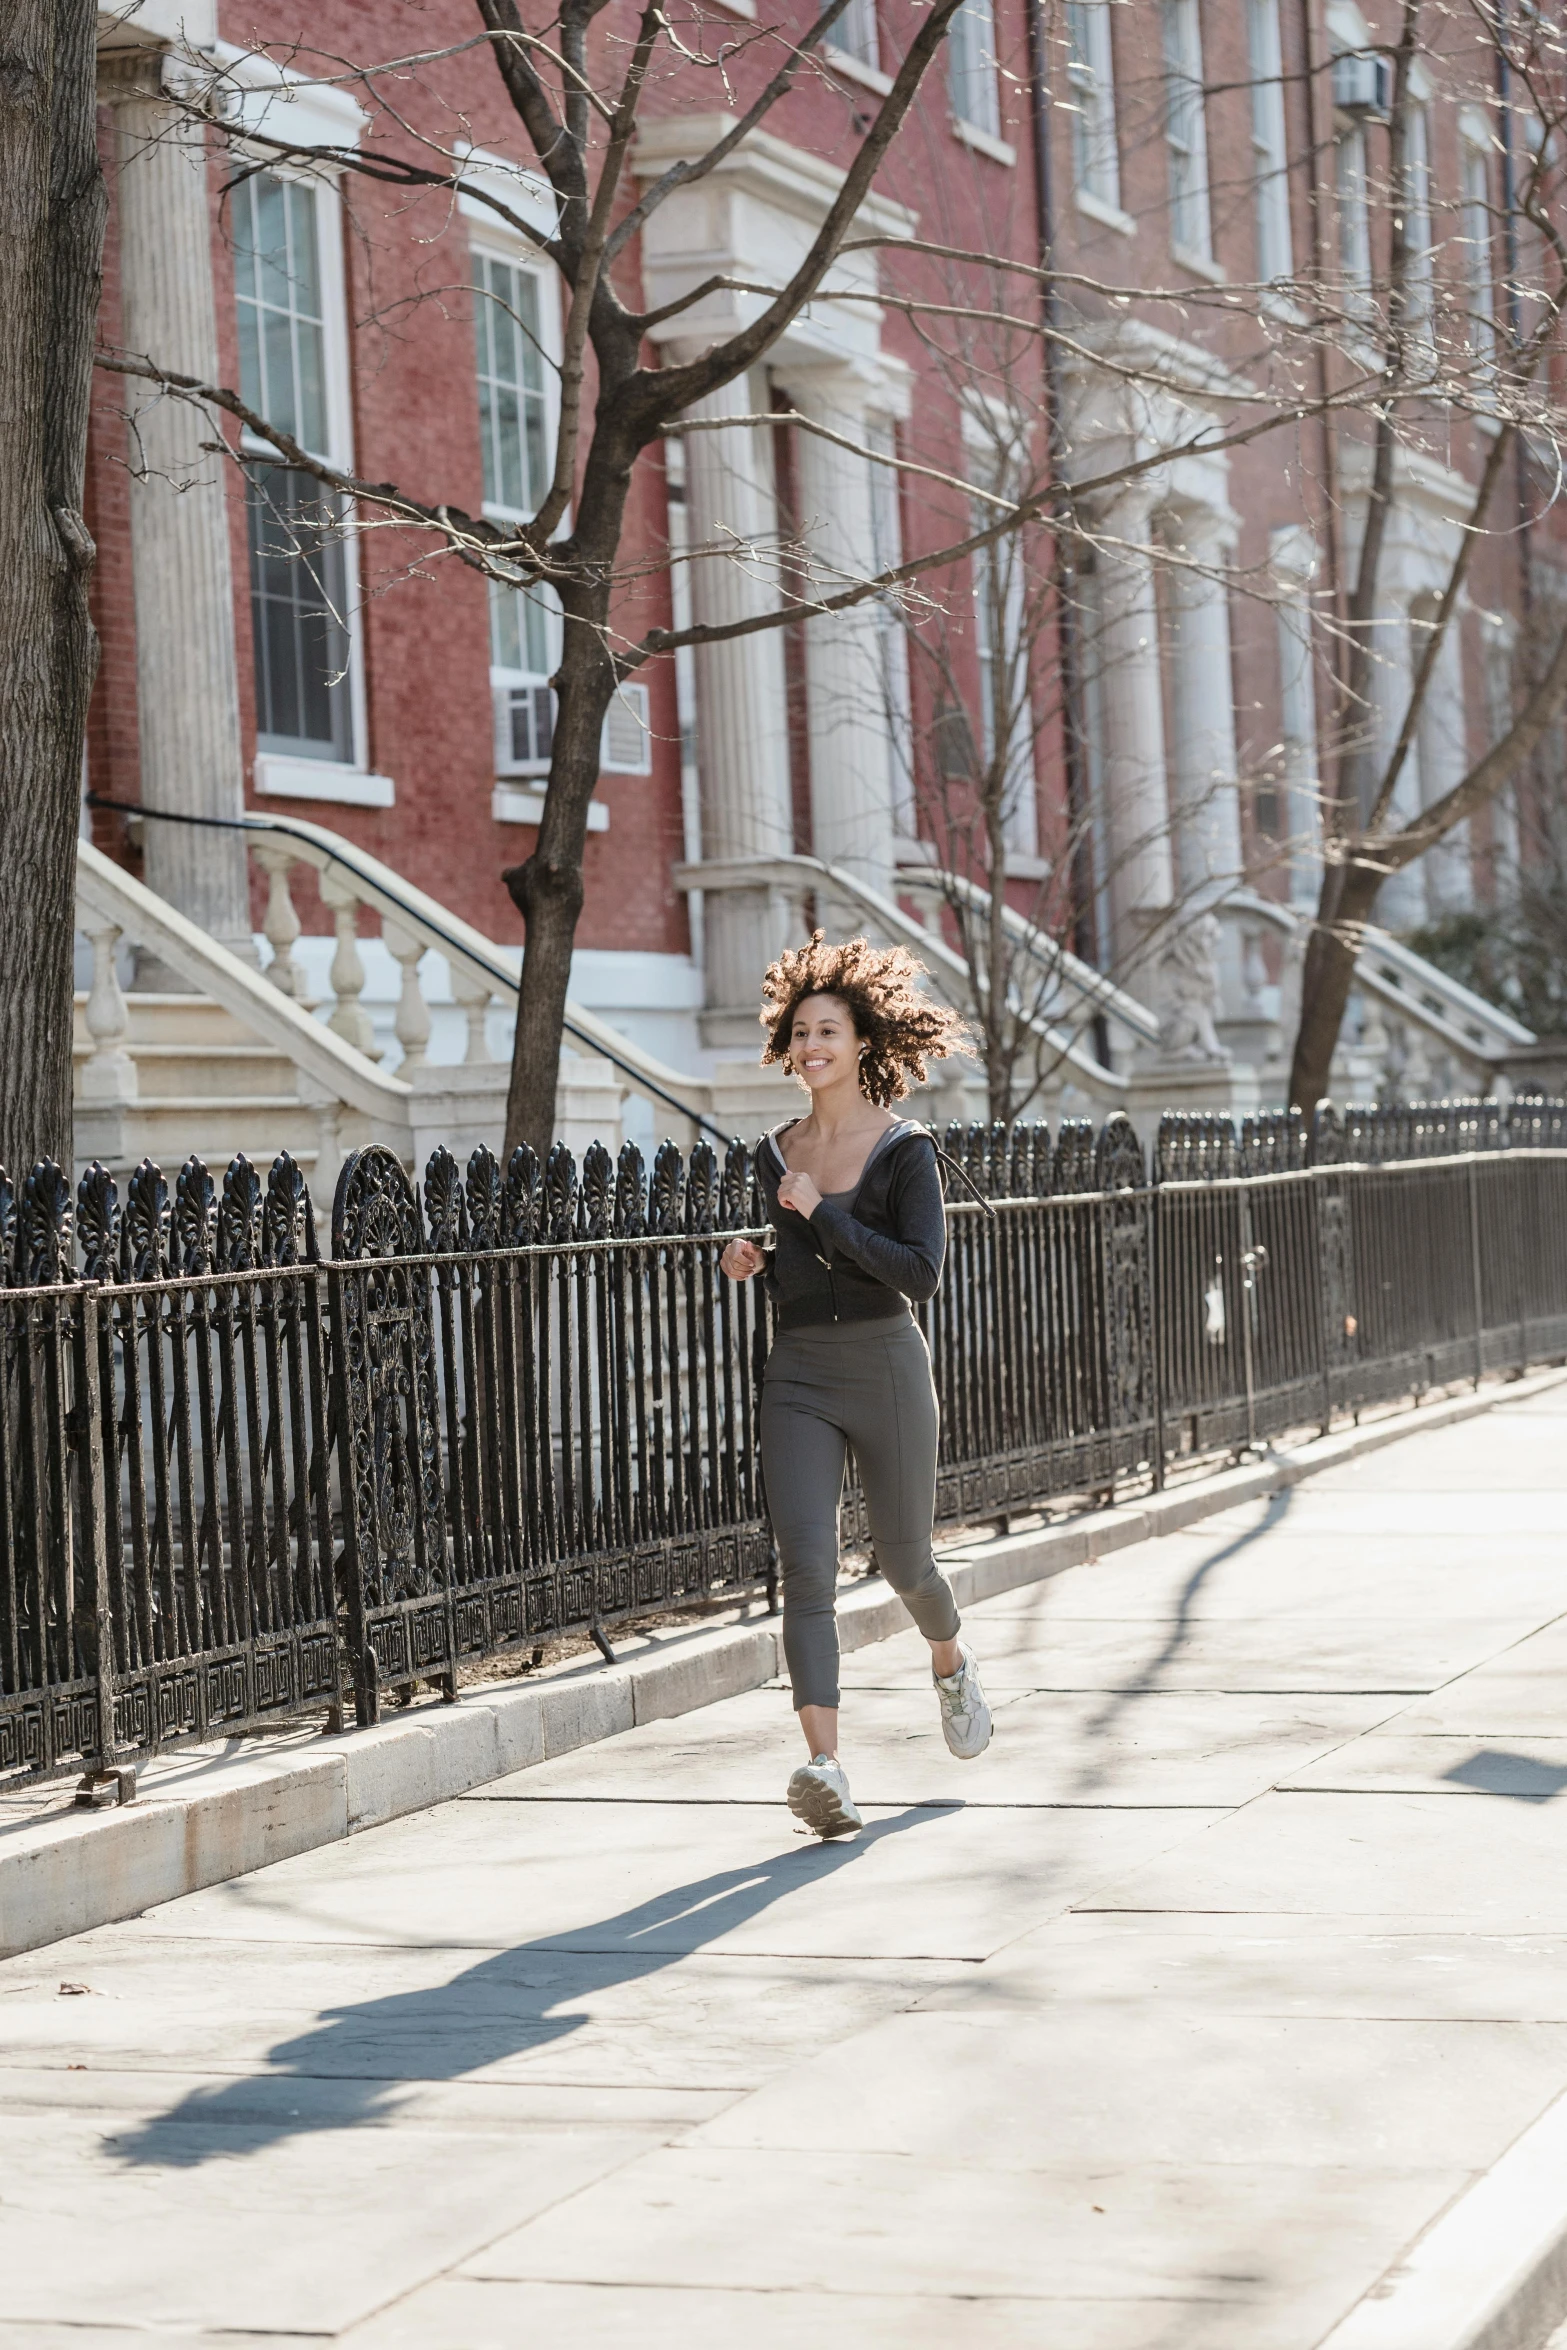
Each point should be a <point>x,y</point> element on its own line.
<point>1401,901</point>
<point>1204,786</point>
<point>848,725</point>
<point>1292,556</point>
<point>1443,752</point>
<point>1139,875</point>
<point>1204,796</point>
<point>187,695</point>
<point>741,708</point>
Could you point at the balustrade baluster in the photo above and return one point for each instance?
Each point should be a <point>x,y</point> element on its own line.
<point>412,1023</point>
<point>280,925</point>
<point>475,996</point>
<point>349,1018</point>
<point>110,1075</point>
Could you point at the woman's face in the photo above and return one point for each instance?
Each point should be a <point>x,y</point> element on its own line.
<point>823,1047</point>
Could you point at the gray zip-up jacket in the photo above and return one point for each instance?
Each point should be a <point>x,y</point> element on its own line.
<point>863,1261</point>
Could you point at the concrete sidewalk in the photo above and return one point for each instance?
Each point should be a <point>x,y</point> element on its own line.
<point>1187,2019</point>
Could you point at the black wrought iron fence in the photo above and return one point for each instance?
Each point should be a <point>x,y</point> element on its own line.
<point>240,1480</point>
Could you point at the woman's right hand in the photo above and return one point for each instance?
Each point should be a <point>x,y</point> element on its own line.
<point>741,1259</point>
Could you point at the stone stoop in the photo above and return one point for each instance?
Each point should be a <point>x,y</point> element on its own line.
<point>203,1815</point>
<point>203,1084</point>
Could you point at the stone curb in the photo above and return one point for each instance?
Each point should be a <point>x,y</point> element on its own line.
<point>202,1818</point>
<point>1491,2273</point>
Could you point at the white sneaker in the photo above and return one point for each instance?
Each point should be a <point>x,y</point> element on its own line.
<point>965,1717</point>
<point>819,1795</point>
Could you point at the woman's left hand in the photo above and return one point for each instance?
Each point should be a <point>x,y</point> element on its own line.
<point>800,1193</point>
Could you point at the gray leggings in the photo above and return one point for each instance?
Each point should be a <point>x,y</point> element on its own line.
<point>865,1385</point>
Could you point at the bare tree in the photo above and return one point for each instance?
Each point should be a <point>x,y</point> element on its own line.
<point>51,239</point>
<point>1435,355</point>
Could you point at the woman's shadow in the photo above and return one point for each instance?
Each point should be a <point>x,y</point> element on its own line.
<point>350,2066</point>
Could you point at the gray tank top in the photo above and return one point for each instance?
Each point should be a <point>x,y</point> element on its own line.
<point>846,1199</point>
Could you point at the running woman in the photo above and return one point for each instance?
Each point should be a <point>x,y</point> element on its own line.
<point>854,1196</point>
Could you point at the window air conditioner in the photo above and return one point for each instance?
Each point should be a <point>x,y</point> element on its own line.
<point>524,729</point>
<point>1362,83</point>
<point>626,744</point>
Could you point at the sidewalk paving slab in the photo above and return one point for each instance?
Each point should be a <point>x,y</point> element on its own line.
<point>1174,1749</point>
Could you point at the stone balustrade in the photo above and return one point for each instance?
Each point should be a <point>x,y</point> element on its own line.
<point>458,1102</point>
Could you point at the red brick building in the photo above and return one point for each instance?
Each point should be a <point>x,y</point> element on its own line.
<point>1185,162</point>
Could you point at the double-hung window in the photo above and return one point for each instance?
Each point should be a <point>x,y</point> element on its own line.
<point>288,294</point>
<point>516,434</point>
<point>1269,148</point>
<point>1096,167</point>
<point>1185,129</point>
<point>971,67</point>
<point>856,36</point>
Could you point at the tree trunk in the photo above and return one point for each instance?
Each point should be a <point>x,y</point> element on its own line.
<point>52,206</point>
<point>1329,974</point>
<point>547,890</point>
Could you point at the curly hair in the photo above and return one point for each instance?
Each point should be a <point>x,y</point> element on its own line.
<point>901,1029</point>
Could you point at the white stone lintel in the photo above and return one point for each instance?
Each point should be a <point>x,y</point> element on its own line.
<point>512,803</point>
<point>816,379</point>
<point>279,778</point>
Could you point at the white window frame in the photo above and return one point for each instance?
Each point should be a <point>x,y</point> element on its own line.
<point>1269,143</point>
<point>281,774</point>
<point>855,36</point>
<point>972,82</point>
<point>1186,129</point>
<point>490,238</point>
<point>1096,158</point>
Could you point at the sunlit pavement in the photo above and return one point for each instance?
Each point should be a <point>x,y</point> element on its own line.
<point>1167,2025</point>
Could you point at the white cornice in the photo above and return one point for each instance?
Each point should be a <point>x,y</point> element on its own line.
<point>288,106</point>
<point>767,167</point>
<point>1418,480</point>
<point>157,24</point>
<point>1131,347</point>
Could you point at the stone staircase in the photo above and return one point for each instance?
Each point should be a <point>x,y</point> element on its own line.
<point>245,1059</point>
<point>204,1083</point>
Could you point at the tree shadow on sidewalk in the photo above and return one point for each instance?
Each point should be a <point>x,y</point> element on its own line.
<point>351,2065</point>
<point>1096,1774</point>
